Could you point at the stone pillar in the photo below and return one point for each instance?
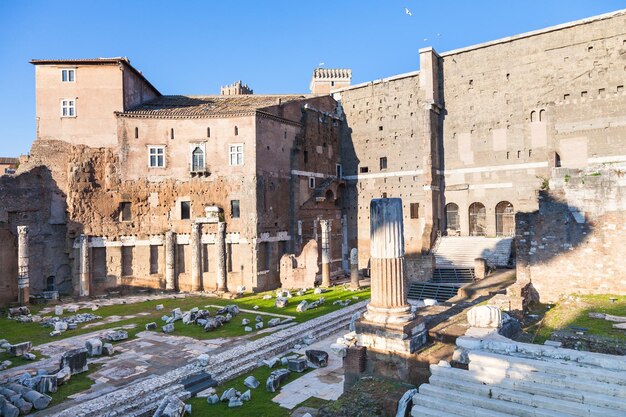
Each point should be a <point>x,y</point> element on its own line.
<point>480,268</point>
<point>388,299</point>
<point>170,260</point>
<point>326,229</point>
<point>221,257</point>
<point>23,266</point>
<point>85,266</point>
<point>195,244</point>
<point>354,269</point>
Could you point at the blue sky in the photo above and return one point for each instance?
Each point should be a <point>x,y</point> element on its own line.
<point>193,47</point>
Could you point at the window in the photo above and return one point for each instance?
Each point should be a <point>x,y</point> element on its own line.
<point>236,131</point>
<point>383,162</point>
<point>338,170</point>
<point>234,209</point>
<point>208,132</point>
<point>197,160</point>
<point>306,156</point>
<point>156,157</point>
<point>235,154</point>
<point>415,207</point>
<point>311,182</point>
<point>125,212</point>
<point>172,133</point>
<point>185,210</point>
<point>68,75</point>
<point>363,170</point>
<point>136,133</point>
<point>68,108</point>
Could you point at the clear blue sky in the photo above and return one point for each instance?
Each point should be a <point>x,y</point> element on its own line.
<point>193,47</point>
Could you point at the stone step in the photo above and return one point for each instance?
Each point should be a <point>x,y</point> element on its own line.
<point>498,405</point>
<point>450,407</point>
<point>522,398</point>
<point>422,411</point>
<point>546,365</point>
<point>553,387</point>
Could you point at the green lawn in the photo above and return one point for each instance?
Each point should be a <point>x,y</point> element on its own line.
<point>261,404</point>
<point>77,383</point>
<point>575,313</point>
<point>16,332</point>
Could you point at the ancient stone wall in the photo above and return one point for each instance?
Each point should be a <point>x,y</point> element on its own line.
<point>573,244</point>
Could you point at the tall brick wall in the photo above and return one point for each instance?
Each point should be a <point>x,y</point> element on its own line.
<point>574,242</point>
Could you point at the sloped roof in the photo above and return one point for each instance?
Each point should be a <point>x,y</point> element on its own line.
<point>207,106</point>
<point>8,161</point>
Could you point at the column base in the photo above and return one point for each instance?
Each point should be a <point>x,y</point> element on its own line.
<point>388,315</point>
<point>398,338</point>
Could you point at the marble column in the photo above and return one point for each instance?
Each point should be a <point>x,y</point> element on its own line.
<point>326,229</point>
<point>354,269</point>
<point>85,266</point>
<point>23,266</point>
<point>388,299</point>
<point>170,260</point>
<point>220,244</point>
<point>195,244</point>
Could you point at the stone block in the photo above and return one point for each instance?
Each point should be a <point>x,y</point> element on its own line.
<point>485,316</point>
<point>273,322</point>
<point>94,347</point>
<point>19,349</point>
<point>168,328</point>
<point>116,336</point>
<point>297,365</point>
<point>275,379</point>
<point>281,302</point>
<point>251,382</point>
<point>302,307</point>
<point>317,357</point>
<point>151,326</point>
<point>58,310</point>
<point>76,360</point>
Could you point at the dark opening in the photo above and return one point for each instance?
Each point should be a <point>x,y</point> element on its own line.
<point>415,208</point>
<point>125,211</point>
<point>154,259</point>
<point>234,209</point>
<point>185,210</point>
<point>383,162</point>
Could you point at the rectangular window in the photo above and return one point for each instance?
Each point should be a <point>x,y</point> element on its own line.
<point>205,257</point>
<point>383,162</point>
<point>415,208</point>
<point>234,209</point>
<point>235,154</point>
<point>185,210</point>
<point>338,170</point>
<point>68,75</point>
<point>156,156</point>
<point>181,258</point>
<point>306,157</point>
<point>125,211</point>
<point>68,108</point>
<point>363,170</point>
<point>311,182</point>
<point>154,259</point>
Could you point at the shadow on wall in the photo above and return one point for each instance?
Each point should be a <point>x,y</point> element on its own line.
<point>549,239</point>
<point>33,199</point>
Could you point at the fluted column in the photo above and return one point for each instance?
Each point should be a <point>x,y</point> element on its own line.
<point>170,260</point>
<point>85,267</point>
<point>196,257</point>
<point>221,257</point>
<point>326,229</point>
<point>23,266</point>
<point>354,269</point>
<point>388,299</point>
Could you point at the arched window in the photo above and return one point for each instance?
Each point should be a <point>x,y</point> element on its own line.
<point>505,219</point>
<point>542,115</point>
<point>533,115</point>
<point>453,226</point>
<point>477,219</point>
<point>197,160</point>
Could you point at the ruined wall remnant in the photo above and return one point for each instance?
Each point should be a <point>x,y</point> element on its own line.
<point>300,271</point>
<point>573,244</point>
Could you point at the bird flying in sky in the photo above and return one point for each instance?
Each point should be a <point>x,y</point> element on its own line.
<point>407,11</point>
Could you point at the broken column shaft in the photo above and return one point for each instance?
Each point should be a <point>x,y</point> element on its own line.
<point>85,267</point>
<point>170,260</point>
<point>196,258</point>
<point>221,257</point>
<point>23,266</point>
<point>326,229</point>
<point>354,269</point>
<point>388,300</point>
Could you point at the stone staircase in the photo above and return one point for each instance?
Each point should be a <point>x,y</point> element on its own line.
<point>142,398</point>
<point>424,290</point>
<point>459,252</point>
<point>505,378</point>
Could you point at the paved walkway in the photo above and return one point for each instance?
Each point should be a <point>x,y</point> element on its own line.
<point>325,383</point>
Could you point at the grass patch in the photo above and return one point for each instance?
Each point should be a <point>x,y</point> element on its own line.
<point>18,360</point>
<point>313,402</point>
<point>16,332</point>
<point>77,383</point>
<point>574,312</point>
<point>261,404</point>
